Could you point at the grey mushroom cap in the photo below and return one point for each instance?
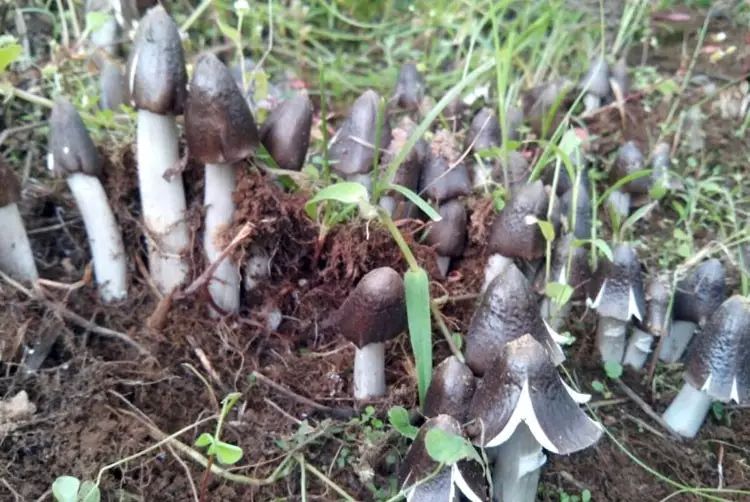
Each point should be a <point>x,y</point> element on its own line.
<point>578,275</point>
<point>515,232</point>
<point>618,286</point>
<point>484,131</point>
<point>351,151</point>
<point>701,292</point>
<point>523,385</point>
<point>156,71</point>
<point>408,173</point>
<point>219,128</point>
<point>439,182</point>
<point>719,362</point>
<point>596,80</point>
<point>449,234</point>
<point>10,187</point>
<point>583,211</point>
<point>657,313</point>
<point>539,101</point>
<point>375,311</point>
<point>111,86</point>
<point>516,167</point>
<point>508,310</point>
<point>450,390</point>
<point>630,160</point>
<point>71,149</point>
<point>409,87</point>
<point>286,132</point>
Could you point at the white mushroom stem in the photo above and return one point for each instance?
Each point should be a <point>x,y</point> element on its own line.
<point>443,264</point>
<point>105,239</point>
<point>162,200</point>
<point>688,411</point>
<point>16,257</point>
<point>639,347</point>
<point>610,338</point>
<point>369,371</point>
<point>224,286</point>
<point>675,343</point>
<point>496,263</point>
<point>517,467</point>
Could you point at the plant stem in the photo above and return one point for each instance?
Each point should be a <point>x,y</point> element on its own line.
<point>197,13</point>
<point>445,331</point>
<point>400,242</point>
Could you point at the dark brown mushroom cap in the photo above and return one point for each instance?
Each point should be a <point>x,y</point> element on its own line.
<point>71,149</point>
<point>449,234</point>
<point>618,286</point>
<point>539,101</point>
<point>450,390</point>
<point>484,131</point>
<point>286,132</point>
<point>156,70</point>
<point>111,86</point>
<point>579,274</point>
<point>219,128</point>
<point>375,311</point>
<point>417,463</point>
<point>596,80</point>
<point>508,310</point>
<point>719,362</point>
<point>10,187</point>
<point>657,312</point>
<point>701,292</point>
<point>351,151</point>
<point>522,384</point>
<point>515,232</point>
<point>439,181</point>
<point>629,160</point>
<point>516,167</point>
<point>409,87</point>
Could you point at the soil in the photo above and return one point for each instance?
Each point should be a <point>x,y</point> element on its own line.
<point>99,400</point>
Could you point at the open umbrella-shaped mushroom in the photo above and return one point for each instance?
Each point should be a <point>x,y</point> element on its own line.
<point>409,87</point>
<point>521,405</point>
<point>374,312</point>
<point>73,155</point>
<point>696,298</point>
<point>286,132</point>
<point>450,391</point>
<point>220,131</point>
<point>656,323</point>
<point>449,234</point>
<point>16,256</point>
<point>717,369</point>
<point>444,176</point>
<point>157,84</point>
<point>417,472</point>
<point>619,298</point>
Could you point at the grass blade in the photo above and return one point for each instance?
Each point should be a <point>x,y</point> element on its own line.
<point>417,286</point>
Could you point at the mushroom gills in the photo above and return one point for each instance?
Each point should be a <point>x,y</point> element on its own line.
<point>674,345</point>
<point>369,371</point>
<point>639,347</point>
<point>16,257</point>
<point>688,410</point>
<point>517,467</point>
<point>610,338</point>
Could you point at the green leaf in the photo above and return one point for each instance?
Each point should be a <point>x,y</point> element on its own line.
<point>89,492</point>
<point>622,182</point>
<point>558,292</point>
<point>228,402</point>
<point>585,496</point>
<point>65,489</point>
<point>548,230</point>
<point>448,448</point>
<point>417,288</point>
<point>204,440</point>
<point>658,190</point>
<point>498,198</point>
<point>417,200</point>
<point>347,192</point>
<point>599,244</point>
<point>229,32</point>
<point>95,20</point>
<point>226,453</point>
<point>639,214</point>
<point>613,369</point>
<point>399,419</point>
<point>597,386</point>
<point>8,54</point>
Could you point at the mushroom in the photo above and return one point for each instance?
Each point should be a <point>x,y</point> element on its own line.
<point>656,323</point>
<point>570,266</point>
<point>717,369</point>
<point>286,132</point>
<point>374,312</point>
<point>450,390</point>
<point>660,164</point>
<point>596,84</point>
<point>106,35</point>
<point>156,83</point>
<point>620,77</point>
<point>512,171</point>
<point>352,148</point>
<point>219,131</point>
<point>696,297</point>
<point>408,173</point>
<point>484,131</point>
<point>508,310</point>
<point>464,478</point>
<point>73,155</point>
<point>16,257</point>
<point>521,405</point>
<point>449,234</point>
<point>444,176</point>
<point>111,86</point>
<point>409,87</point>
<point>582,208</point>
<point>619,298</point>
<point>629,160</point>
<point>541,101</point>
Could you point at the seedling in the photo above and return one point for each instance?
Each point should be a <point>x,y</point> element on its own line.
<point>70,489</point>
<point>225,453</point>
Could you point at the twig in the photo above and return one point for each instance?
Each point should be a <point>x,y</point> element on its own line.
<point>607,402</point>
<point>342,413</point>
<point>445,331</point>
<point>648,410</point>
<point>13,130</point>
<point>197,13</point>
<point>325,479</point>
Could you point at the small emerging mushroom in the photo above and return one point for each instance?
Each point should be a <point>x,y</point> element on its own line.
<point>16,256</point>
<point>512,171</point>
<point>408,173</point>
<point>717,369</point>
<point>286,132</point>
<point>656,323</point>
<point>73,155</point>
<point>444,176</point>
<point>409,87</point>
<point>596,84</point>
<point>544,106</point>
<point>484,131</point>
<point>582,209</point>
<point>372,314</point>
<point>570,266</point>
<point>449,234</point>
<point>629,160</point>
<point>450,390</point>
<point>111,86</point>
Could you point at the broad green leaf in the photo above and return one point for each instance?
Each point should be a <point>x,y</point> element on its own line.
<point>599,244</point>
<point>498,198</point>
<point>417,200</point>
<point>227,454</point>
<point>548,230</point>
<point>347,192</point>
<point>399,419</point>
<point>89,492</point>
<point>448,448</point>
<point>95,20</point>
<point>204,440</point>
<point>417,287</point>
<point>8,54</point>
<point>65,489</point>
<point>558,292</point>
<point>658,190</point>
<point>597,386</point>
<point>613,369</point>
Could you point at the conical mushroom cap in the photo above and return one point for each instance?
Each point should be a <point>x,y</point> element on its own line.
<point>351,151</point>
<point>10,187</point>
<point>515,232</point>
<point>596,80</point>
<point>523,385</point>
<point>508,310</point>
<point>582,228</point>
<point>719,362</point>
<point>514,120</point>
<point>219,128</point>
<point>408,173</point>
<point>375,311</point>
<point>539,102</point>
<point>701,292</point>
<point>630,160</point>
<point>409,87</point>
<point>484,131</point>
<point>449,234</point>
<point>579,274</point>
<point>450,390</point>
<point>517,170</point>
<point>439,181</point>
<point>619,287</point>
<point>111,86</point>
<point>657,313</point>
<point>156,71</point>
<point>286,132</point>
<point>71,149</point>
